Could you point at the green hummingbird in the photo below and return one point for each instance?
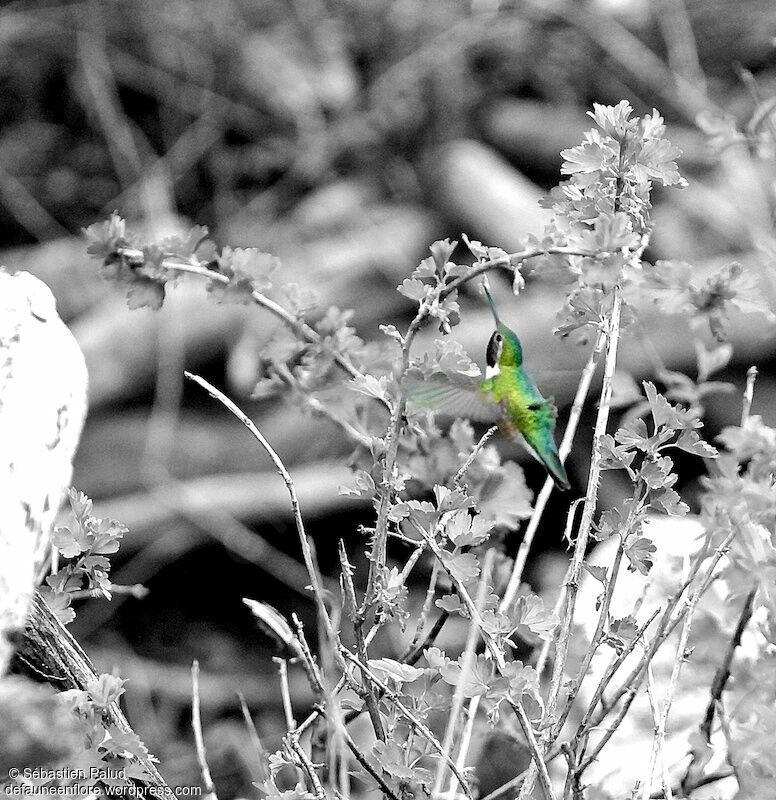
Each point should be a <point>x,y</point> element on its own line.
<point>507,395</point>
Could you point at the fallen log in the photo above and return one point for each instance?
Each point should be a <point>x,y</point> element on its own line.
<point>484,194</point>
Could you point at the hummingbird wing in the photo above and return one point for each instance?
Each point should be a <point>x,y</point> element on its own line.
<point>440,394</point>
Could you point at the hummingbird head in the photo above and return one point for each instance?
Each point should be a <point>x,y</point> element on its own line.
<point>504,348</point>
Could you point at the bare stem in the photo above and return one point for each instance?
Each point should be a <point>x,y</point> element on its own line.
<point>285,693</point>
<point>544,495</point>
<point>459,476</point>
<point>196,724</point>
<point>498,658</point>
<point>459,696</point>
<point>572,582</point>
<point>410,717</point>
<point>751,377</point>
<point>307,549</point>
<point>370,697</point>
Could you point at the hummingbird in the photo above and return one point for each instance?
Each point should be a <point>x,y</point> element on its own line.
<point>507,395</point>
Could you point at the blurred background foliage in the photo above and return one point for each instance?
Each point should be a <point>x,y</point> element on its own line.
<point>343,136</point>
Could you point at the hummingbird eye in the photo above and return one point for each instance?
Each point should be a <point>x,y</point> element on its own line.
<point>498,337</point>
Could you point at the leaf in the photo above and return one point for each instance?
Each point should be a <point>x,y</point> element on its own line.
<point>613,120</point>
<point>657,473</point>
<point>452,604</point>
<point>441,251</point>
<point>413,289</point>
<point>624,630</point>
<point>452,359</point>
<point>463,567</point>
<point>670,502</point>
<point>106,533</point>
<point>105,689</point>
<point>614,456</point>
<point>185,245</point>
<point>389,668</point>
<point>248,270</point>
<point>451,499</point>
<point>371,386</point>
<point>612,521</point>
<point>587,158</point>
<point>475,676</point>
<point>463,530</point>
<point>657,159</point>
<point>145,293</point>
<point>530,614</point>
<point>504,497</point>
<point>391,757</point>
<point>104,238</point>
<point>69,543</point>
<point>691,442</point>
<point>610,232</point>
<point>599,573</point>
<point>639,553</point>
<point>363,486</point>
<point>59,603</point>
<point>659,406</point>
<point>518,680</point>
<point>713,360</point>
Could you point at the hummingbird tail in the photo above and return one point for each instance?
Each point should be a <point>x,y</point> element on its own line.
<point>556,470</point>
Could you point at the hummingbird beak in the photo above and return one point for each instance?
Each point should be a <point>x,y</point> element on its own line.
<point>491,304</point>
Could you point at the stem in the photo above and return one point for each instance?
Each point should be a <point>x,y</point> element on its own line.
<point>459,476</point>
<point>751,377</point>
<point>460,690</point>
<point>680,658</point>
<point>307,551</point>
<point>563,451</point>
<point>498,658</point>
<point>591,496</point>
<point>196,724</point>
<point>722,675</point>
<point>411,718</point>
<point>349,591</point>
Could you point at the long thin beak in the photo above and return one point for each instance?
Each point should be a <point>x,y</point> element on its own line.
<point>491,303</point>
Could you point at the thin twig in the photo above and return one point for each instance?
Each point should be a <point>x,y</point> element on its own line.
<point>459,696</point>
<point>301,329</point>
<point>498,658</point>
<point>361,758</point>
<point>253,735</point>
<point>377,556</point>
<point>427,604</point>
<point>459,476</point>
<point>591,496</point>
<point>409,716</point>
<point>703,780</point>
<point>466,738</point>
<point>657,753</point>
<point>415,651</point>
<point>307,550</point>
<point>722,675</point>
<point>751,377</point>
<point>611,671</point>
<point>285,693</point>
<point>308,768</point>
<point>349,592</point>
<point>544,495</point>
<point>668,623</point>
<point>196,724</point>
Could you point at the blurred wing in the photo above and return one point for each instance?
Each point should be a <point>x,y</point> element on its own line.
<point>440,394</point>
